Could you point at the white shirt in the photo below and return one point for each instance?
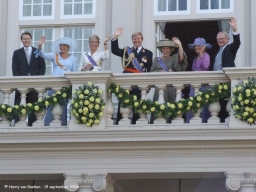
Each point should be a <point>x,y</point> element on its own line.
<point>98,57</point>
<point>29,50</point>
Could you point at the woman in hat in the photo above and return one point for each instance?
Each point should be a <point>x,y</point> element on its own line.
<point>200,63</point>
<point>169,62</point>
<point>62,62</point>
<point>61,59</point>
<point>92,60</point>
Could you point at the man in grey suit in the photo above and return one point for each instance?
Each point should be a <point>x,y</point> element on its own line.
<point>25,63</point>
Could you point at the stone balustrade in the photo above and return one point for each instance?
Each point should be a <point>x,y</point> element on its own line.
<point>144,82</point>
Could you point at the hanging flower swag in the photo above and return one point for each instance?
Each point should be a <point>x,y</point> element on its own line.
<point>210,95</point>
<point>58,98</point>
<point>244,100</point>
<point>87,104</point>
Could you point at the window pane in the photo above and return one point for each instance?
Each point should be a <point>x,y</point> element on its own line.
<point>182,5</point>
<point>68,9</point>
<point>214,4</point>
<point>172,4</point>
<point>86,45</point>
<point>78,33</point>
<point>48,33</point>
<point>88,8</point>
<point>37,10</point>
<point>38,34</point>
<point>204,4</point>
<point>78,0</point>
<point>47,1</point>
<point>48,67</point>
<point>26,10</point>
<point>68,32</point>
<point>26,1</point>
<point>161,5</point>
<point>47,11</point>
<point>47,46</point>
<point>37,1</point>
<point>67,1</point>
<point>225,4</point>
<point>79,46</point>
<point>87,33</point>
<point>78,9</point>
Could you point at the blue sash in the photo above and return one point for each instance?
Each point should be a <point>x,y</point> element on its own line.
<point>162,64</point>
<point>135,61</point>
<point>92,60</point>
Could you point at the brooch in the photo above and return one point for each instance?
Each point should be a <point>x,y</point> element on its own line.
<point>144,59</point>
<point>65,68</point>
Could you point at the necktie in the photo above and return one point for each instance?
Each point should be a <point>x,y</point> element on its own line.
<point>27,55</point>
<point>136,52</point>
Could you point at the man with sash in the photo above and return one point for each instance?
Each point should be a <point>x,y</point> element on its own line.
<point>135,59</point>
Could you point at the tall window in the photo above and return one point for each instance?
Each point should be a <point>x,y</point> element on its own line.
<point>36,9</point>
<point>36,34</point>
<point>168,7</point>
<point>211,6</point>
<point>81,35</point>
<point>78,8</point>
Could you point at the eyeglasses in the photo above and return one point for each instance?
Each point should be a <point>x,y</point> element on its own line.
<point>221,39</point>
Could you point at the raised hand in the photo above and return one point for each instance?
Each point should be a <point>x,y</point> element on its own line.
<point>41,40</point>
<point>232,23</point>
<point>107,38</point>
<point>177,41</point>
<point>118,32</point>
<point>202,50</point>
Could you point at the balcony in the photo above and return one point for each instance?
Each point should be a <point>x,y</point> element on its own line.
<point>127,151</point>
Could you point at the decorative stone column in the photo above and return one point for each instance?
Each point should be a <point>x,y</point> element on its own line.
<point>56,112</point>
<point>196,118</point>
<point>5,122</point>
<point>109,109</point>
<point>241,182</point>
<point>40,116</point>
<point>228,108</point>
<point>178,119</point>
<point>125,112</point>
<point>22,117</point>
<point>161,88</point>
<point>88,183</point>
<point>143,117</point>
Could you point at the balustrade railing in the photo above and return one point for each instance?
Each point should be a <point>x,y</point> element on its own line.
<point>145,82</point>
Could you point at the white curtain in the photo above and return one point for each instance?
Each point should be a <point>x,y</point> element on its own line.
<point>224,26</point>
<point>161,5</point>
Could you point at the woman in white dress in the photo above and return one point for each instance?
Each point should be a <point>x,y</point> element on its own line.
<point>62,62</point>
<point>92,60</point>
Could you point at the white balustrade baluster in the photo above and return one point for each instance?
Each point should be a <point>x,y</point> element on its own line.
<point>39,115</point>
<point>214,109</point>
<point>56,112</point>
<point>143,117</point>
<point>109,109</point>
<point>161,88</point>
<point>5,122</point>
<point>196,119</point>
<point>228,108</point>
<point>178,119</point>
<point>125,112</point>
<point>22,117</point>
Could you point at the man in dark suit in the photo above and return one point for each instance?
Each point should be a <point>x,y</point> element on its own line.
<point>25,63</point>
<point>226,57</point>
<point>144,61</point>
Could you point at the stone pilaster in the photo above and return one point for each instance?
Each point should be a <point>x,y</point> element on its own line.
<point>241,182</point>
<point>88,183</point>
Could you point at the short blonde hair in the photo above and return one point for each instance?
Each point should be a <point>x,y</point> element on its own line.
<point>94,37</point>
<point>137,33</point>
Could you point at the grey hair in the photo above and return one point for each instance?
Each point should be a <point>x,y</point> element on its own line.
<point>94,37</point>
<point>225,33</point>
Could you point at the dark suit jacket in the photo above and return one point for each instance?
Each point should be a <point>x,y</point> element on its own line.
<point>20,66</point>
<point>229,53</point>
<point>144,56</point>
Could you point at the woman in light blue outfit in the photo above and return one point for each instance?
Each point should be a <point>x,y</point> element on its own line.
<point>62,62</point>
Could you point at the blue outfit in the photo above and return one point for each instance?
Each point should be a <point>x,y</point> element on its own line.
<point>69,64</point>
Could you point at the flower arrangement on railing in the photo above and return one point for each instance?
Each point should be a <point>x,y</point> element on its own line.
<point>87,104</point>
<point>210,95</point>
<point>244,100</point>
<point>58,98</point>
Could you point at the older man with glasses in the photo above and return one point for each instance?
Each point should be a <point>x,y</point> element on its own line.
<point>227,53</point>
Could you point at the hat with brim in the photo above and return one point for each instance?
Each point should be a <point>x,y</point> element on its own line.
<point>165,43</point>
<point>201,42</point>
<point>65,40</point>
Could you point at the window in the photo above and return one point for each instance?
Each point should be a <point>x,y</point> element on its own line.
<point>214,6</point>
<point>36,34</point>
<point>81,35</point>
<point>36,9</point>
<point>78,8</point>
<point>172,7</point>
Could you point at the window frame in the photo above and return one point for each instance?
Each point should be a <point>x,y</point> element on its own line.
<point>182,12</point>
<point>207,11</point>
<point>92,15</point>
<point>31,17</point>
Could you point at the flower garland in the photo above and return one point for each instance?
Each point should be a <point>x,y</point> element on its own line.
<point>210,95</point>
<point>58,98</point>
<point>87,104</point>
<point>244,100</point>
